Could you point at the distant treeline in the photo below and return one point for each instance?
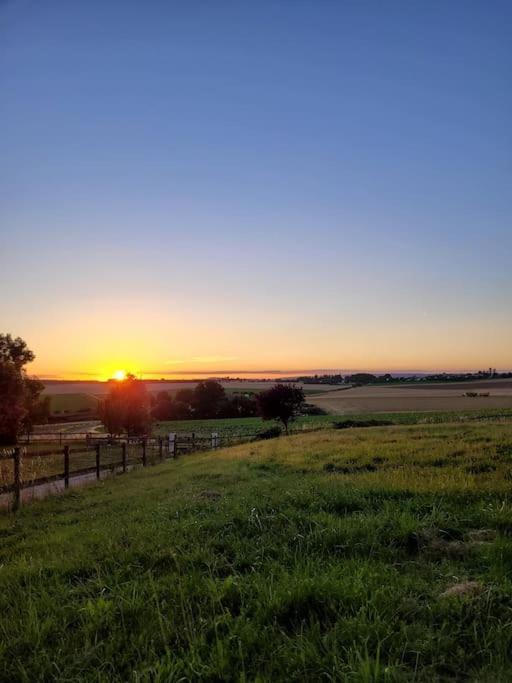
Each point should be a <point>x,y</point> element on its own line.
<point>360,378</point>
<point>209,400</point>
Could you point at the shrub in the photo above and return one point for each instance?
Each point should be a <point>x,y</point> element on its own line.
<point>270,433</point>
<point>310,409</point>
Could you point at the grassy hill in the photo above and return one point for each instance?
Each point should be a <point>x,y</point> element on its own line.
<point>380,554</point>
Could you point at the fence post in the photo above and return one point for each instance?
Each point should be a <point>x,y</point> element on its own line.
<point>144,461</point>
<point>215,440</point>
<point>66,467</point>
<point>98,447</point>
<point>193,441</point>
<point>173,451</point>
<point>17,479</point>
<point>160,448</point>
<point>123,455</point>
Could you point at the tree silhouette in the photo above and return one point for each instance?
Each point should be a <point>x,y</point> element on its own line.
<point>282,402</point>
<point>127,407</point>
<point>20,402</point>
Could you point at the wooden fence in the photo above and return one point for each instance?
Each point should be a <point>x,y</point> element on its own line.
<point>22,467</point>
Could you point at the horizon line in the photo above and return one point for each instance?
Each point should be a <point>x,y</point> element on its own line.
<point>235,374</point>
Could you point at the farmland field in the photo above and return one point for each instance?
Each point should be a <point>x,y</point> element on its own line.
<point>250,425</point>
<point>239,426</point>
<point>421,397</point>
<point>102,388</point>
<point>72,396</point>
<point>380,554</point>
<point>74,403</point>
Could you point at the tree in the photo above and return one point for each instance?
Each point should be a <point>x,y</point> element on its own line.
<point>239,405</point>
<point>208,398</point>
<point>20,403</point>
<point>14,351</point>
<point>163,407</point>
<point>12,403</point>
<point>282,402</point>
<point>127,408</point>
<point>38,408</point>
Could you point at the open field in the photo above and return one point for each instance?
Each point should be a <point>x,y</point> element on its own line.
<point>250,425</point>
<point>380,554</point>
<point>74,397</point>
<point>73,404</point>
<point>239,426</point>
<point>423,397</point>
<point>101,388</point>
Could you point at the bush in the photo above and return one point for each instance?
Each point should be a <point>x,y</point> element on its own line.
<point>270,433</point>
<point>347,424</point>
<point>310,409</point>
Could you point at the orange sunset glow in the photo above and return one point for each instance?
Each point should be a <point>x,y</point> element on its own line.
<point>256,341</point>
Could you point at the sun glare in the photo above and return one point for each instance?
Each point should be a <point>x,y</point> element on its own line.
<point>119,375</point>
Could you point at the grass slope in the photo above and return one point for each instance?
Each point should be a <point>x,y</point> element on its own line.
<point>322,556</point>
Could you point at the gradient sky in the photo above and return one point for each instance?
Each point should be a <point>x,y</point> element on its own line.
<point>199,186</point>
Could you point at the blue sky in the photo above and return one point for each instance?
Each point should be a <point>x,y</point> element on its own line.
<point>263,185</point>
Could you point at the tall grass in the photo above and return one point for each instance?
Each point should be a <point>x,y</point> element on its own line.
<point>322,556</point>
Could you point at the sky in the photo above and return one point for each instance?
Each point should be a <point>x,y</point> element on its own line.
<point>236,187</point>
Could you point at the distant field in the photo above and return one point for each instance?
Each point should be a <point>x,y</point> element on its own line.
<point>73,403</point>
<point>396,398</point>
<point>371,555</point>
<point>239,426</point>
<point>249,425</point>
<point>101,388</point>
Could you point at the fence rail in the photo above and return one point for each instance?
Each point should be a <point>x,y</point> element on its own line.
<point>23,468</point>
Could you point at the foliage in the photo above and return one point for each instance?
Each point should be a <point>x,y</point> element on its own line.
<point>162,406</point>
<point>361,378</point>
<point>12,403</point>
<point>281,402</point>
<point>311,409</point>
<point>270,433</point>
<point>38,408</point>
<point>15,351</point>
<point>323,556</point>
<point>127,408</point>
<point>20,402</point>
<point>208,400</point>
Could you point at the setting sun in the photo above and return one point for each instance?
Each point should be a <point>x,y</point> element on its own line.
<point>119,375</point>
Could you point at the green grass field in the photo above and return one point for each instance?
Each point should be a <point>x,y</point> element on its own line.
<point>64,404</point>
<point>251,425</point>
<point>239,426</point>
<point>380,554</point>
